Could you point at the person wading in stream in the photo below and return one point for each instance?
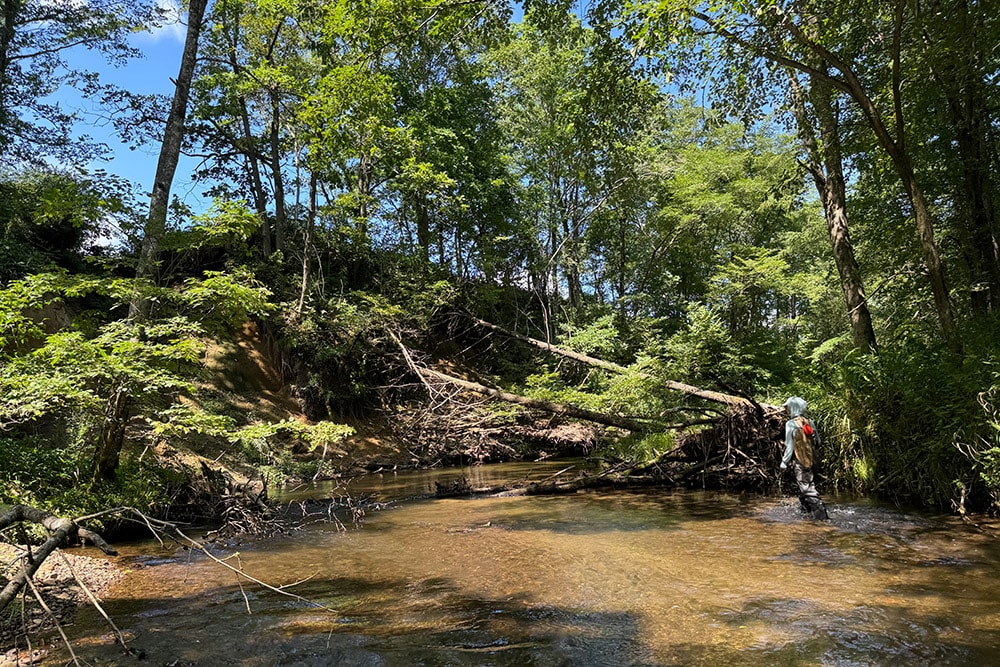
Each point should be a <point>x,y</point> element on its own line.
<point>800,437</point>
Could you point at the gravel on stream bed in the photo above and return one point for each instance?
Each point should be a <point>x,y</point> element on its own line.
<point>25,625</point>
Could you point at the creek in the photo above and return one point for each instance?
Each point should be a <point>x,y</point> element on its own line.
<point>648,577</point>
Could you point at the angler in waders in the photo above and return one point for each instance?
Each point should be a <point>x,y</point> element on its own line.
<point>800,437</point>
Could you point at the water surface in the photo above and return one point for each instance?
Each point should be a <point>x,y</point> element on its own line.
<point>596,578</point>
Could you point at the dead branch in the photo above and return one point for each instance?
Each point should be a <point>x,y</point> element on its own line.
<point>59,628</point>
<point>61,529</point>
<point>119,635</point>
<point>708,395</point>
<point>557,408</point>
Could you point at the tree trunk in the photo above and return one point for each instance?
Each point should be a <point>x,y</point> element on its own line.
<point>959,77</point>
<point>170,150</point>
<point>894,146</point>
<point>7,34</point>
<point>307,245</point>
<point>423,227</point>
<point>826,166</point>
<point>280,217</point>
<point>256,183</point>
<point>364,192</point>
<point>110,439</point>
<point>246,144</point>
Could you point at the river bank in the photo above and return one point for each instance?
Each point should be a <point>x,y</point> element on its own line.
<point>60,582</point>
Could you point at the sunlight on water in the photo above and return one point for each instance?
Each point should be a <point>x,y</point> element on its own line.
<point>609,578</point>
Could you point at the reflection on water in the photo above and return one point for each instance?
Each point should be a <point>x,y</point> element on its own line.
<point>599,578</point>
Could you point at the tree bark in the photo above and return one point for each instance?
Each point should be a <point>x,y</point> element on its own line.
<point>280,216</point>
<point>7,34</point>
<point>256,182</point>
<point>894,146</point>
<point>959,77</point>
<point>112,435</point>
<point>170,149</point>
<point>307,246</point>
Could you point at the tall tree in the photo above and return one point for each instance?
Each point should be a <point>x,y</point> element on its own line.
<point>573,107</point>
<point>170,149</point>
<point>798,33</point>
<point>953,41</point>
<point>255,70</point>
<point>824,162</point>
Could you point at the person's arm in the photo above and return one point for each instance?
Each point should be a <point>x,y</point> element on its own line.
<point>789,444</point>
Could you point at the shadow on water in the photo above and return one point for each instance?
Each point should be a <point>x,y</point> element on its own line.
<point>388,622</point>
<point>865,635</point>
<point>597,578</point>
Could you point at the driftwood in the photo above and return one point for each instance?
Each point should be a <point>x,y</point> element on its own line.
<point>635,425</point>
<point>738,448</point>
<point>555,408</point>
<point>61,529</point>
<point>424,374</point>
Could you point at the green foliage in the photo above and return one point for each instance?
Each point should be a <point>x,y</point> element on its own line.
<point>181,420</point>
<point>705,353</point>
<point>639,448</point>
<point>259,444</point>
<point>599,338</point>
<point>56,479</point>
<point>104,370</point>
<point>49,218</point>
<point>226,222</point>
<point>36,58</point>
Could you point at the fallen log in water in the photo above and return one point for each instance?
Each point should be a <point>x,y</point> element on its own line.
<point>625,423</point>
<point>738,449</point>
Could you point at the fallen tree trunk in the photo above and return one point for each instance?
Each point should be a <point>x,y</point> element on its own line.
<point>61,530</point>
<point>556,408</point>
<point>707,394</point>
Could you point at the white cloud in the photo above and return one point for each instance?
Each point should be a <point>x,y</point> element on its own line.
<point>171,26</point>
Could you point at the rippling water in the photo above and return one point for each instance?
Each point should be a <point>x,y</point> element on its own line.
<point>597,578</point>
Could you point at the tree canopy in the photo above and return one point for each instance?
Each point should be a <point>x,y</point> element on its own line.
<point>787,196</point>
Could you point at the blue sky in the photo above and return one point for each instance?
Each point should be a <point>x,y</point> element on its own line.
<point>150,74</point>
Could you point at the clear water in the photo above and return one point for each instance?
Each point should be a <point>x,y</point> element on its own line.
<point>597,578</point>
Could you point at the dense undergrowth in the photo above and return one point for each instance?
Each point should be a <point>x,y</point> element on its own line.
<point>82,380</point>
<point>910,424</point>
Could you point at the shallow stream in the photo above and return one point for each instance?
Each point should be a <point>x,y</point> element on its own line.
<point>596,578</point>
